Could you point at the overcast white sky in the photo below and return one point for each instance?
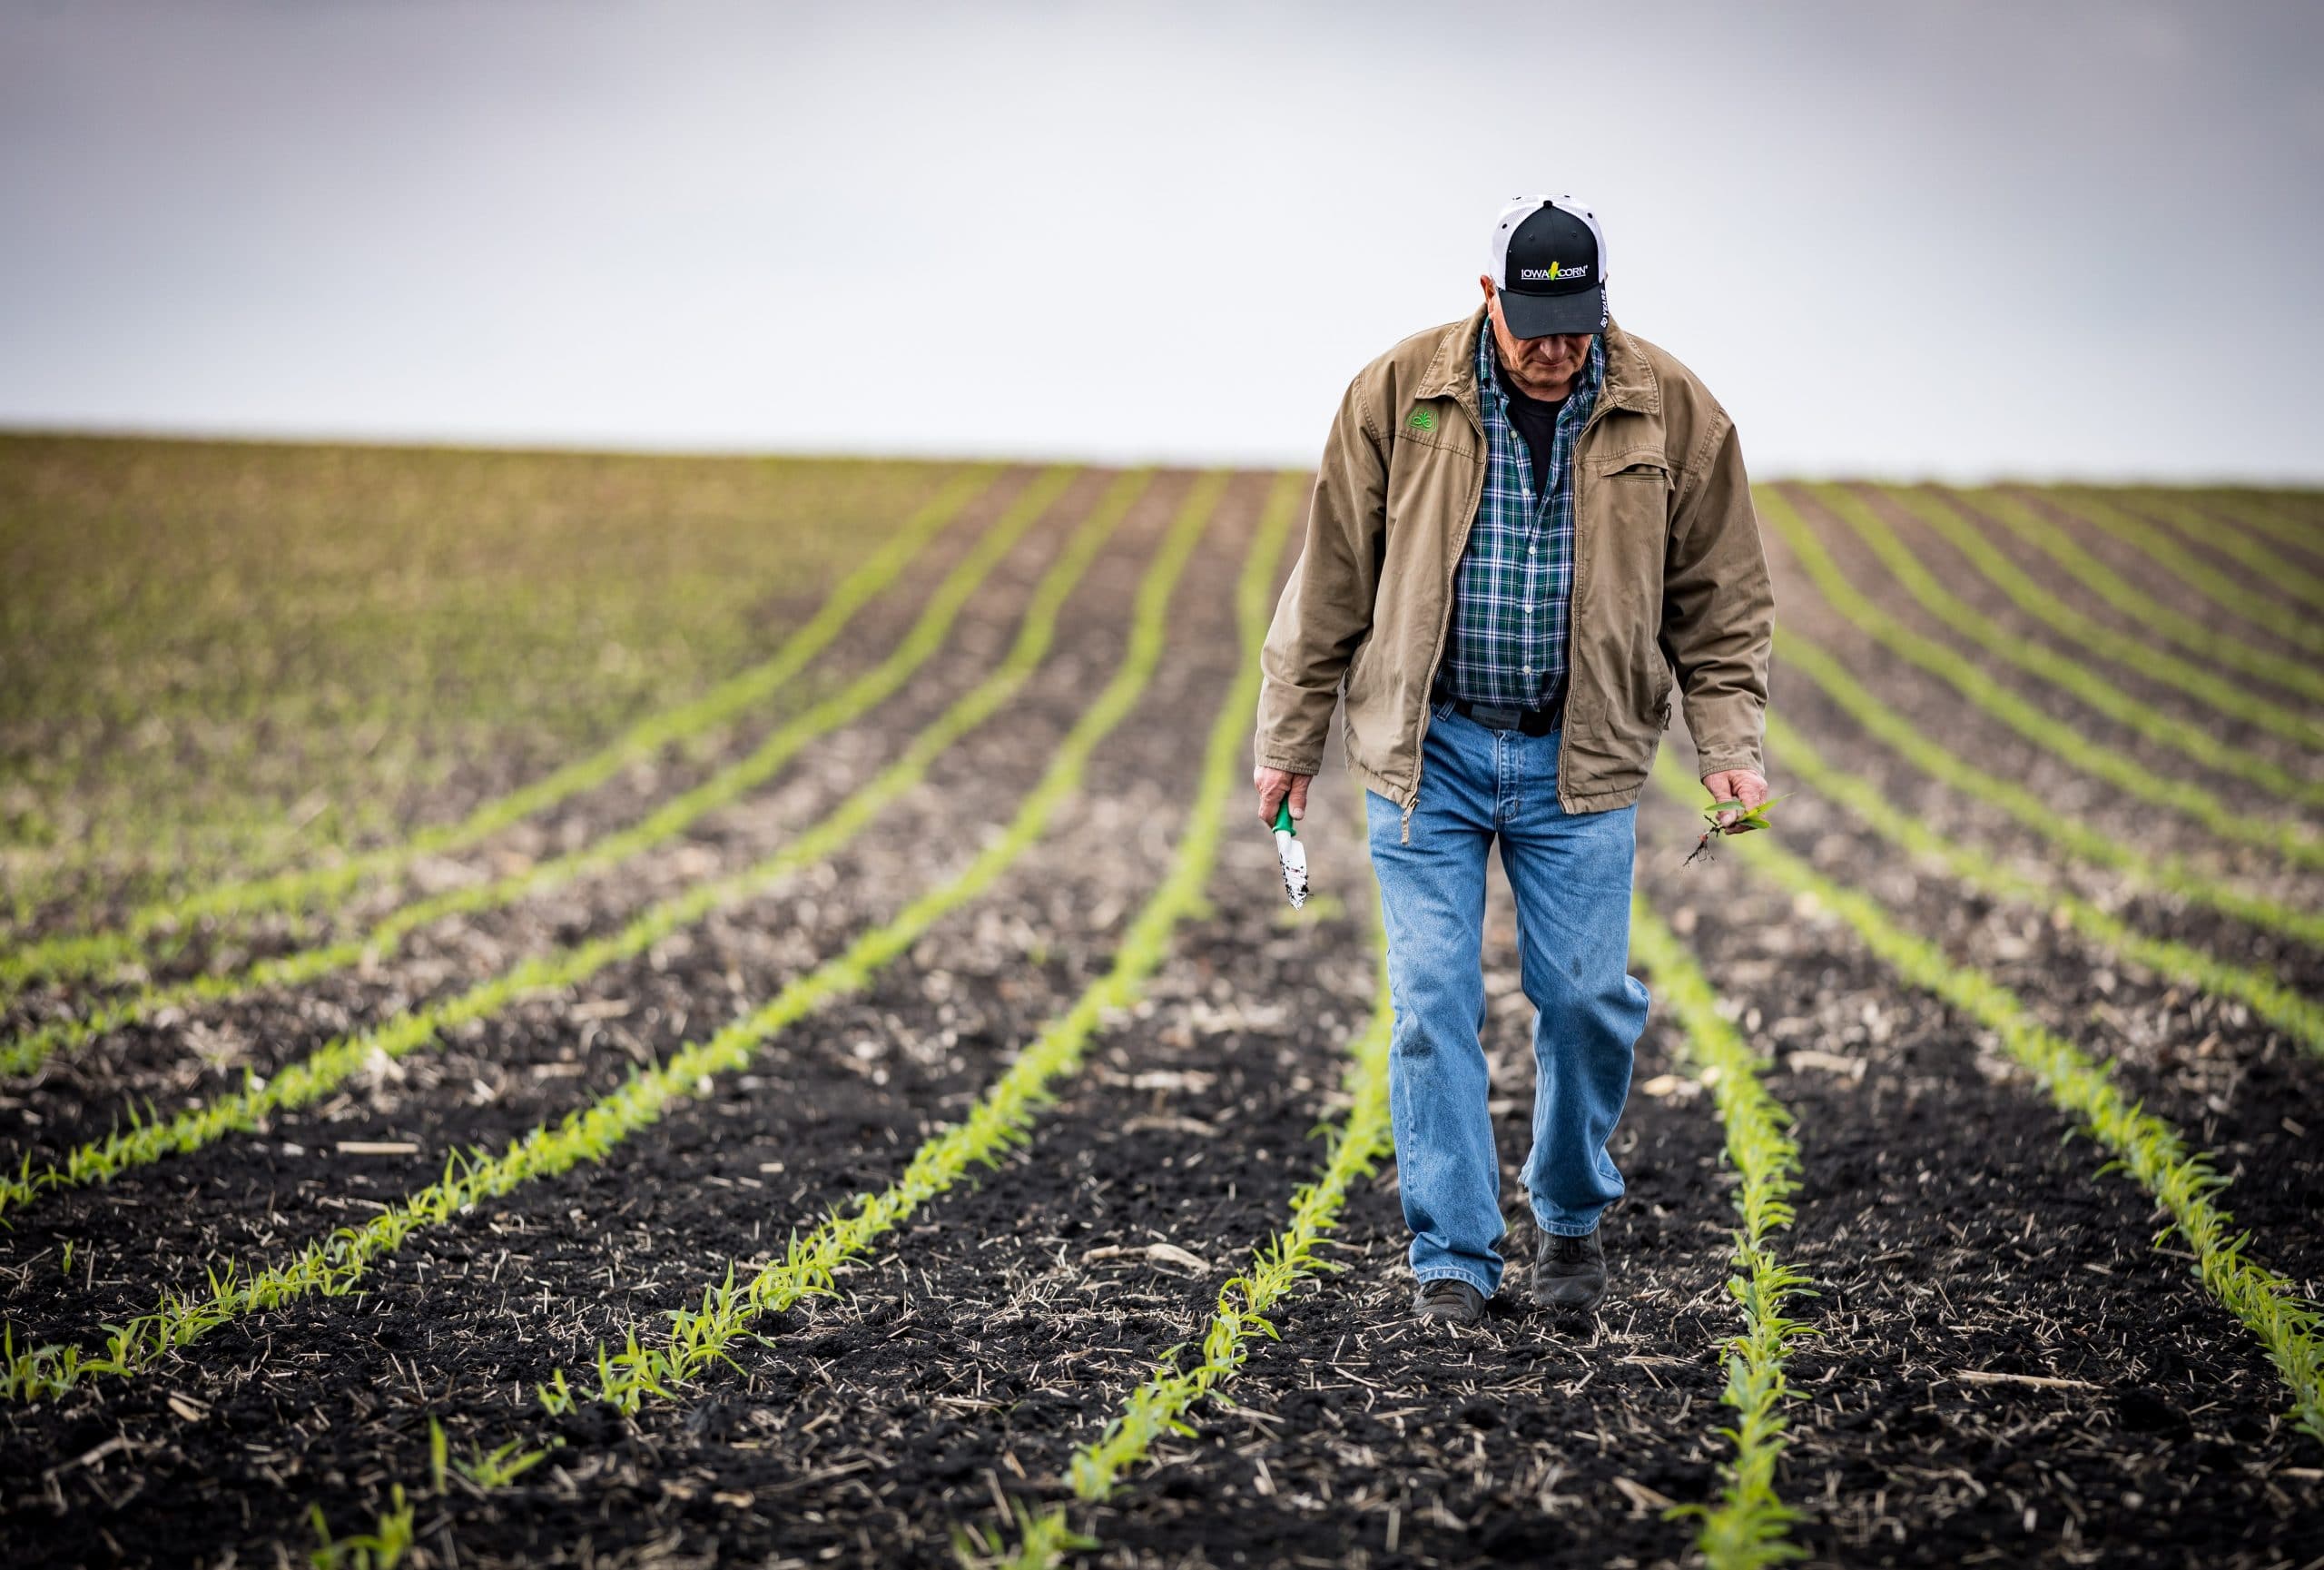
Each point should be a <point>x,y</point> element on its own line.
<point>1954,239</point>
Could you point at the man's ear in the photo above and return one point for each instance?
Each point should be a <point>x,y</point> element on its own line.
<point>1485,281</point>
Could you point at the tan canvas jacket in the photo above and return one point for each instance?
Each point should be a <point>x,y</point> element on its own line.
<point>1669,577</point>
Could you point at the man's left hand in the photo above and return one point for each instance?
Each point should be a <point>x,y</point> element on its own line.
<point>1739,786</point>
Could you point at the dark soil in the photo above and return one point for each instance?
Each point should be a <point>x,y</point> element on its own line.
<point>2006,1369</point>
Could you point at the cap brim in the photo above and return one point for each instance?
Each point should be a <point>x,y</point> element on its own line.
<point>1547,315</point>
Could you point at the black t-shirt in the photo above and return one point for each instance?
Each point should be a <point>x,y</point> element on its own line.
<point>1536,421</point>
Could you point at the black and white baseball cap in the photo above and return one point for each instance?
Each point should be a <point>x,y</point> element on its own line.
<point>1549,267</point>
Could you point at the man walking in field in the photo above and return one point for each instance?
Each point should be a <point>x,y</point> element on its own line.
<point>1527,523</point>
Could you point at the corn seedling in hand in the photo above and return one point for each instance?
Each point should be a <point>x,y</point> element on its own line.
<point>1742,822</point>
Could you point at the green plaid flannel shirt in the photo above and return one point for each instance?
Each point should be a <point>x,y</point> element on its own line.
<point>1514,587</point>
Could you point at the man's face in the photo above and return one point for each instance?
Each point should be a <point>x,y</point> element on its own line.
<point>1541,366</point>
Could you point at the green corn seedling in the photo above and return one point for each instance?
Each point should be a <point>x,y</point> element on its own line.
<point>332,1266</point>
<point>154,1138</point>
<point>2173,876</point>
<point>2207,686</point>
<point>2038,659</point>
<point>2291,841</point>
<point>2296,1014</point>
<point>2296,625</point>
<point>2150,1151</point>
<point>727,786</point>
<point>1748,1525</point>
<point>88,953</point>
<point>1002,1119</point>
<point>2203,638</point>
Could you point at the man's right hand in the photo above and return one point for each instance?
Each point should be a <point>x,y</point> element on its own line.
<point>1273,784</point>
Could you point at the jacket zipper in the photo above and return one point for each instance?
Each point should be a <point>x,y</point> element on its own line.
<point>1443,627</point>
<point>1565,730</point>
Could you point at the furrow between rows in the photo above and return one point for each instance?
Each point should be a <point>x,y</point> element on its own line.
<point>1945,514</point>
<point>2293,623</point>
<point>2295,1013</point>
<point>88,953</point>
<point>2291,841</point>
<point>926,637</point>
<point>2198,637</point>
<point>1799,653</point>
<point>1359,1144</point>
<point>2154,1152</point>
<point>2060,669</point>
<point>314,1076</point>
<point>332,1266</point>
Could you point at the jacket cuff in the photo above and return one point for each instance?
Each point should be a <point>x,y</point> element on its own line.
<point>1711,762</point>
<point>1289,763</point>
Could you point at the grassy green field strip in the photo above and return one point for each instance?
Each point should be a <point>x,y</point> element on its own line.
<point>80,954</point>
<point>2168,875</point>
<point>1749,1525</point>
<point>2190,633</point>
<point>320,1072</point>
<point>2200,527</point>
<point>2055,666</point>
<point>1004,1116</point>
<point>2295,624</point>
<point>2154,1154</point>
<point>2227,696</point>
<point>728,784</point>
<point>1159,1406</point>
<point>332,1266</point>
<point>2268,517</point>
<point>2297,1015</point>
<point>1997,698</point>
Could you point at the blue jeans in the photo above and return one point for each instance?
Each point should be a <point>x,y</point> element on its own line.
<point>1571,873</point>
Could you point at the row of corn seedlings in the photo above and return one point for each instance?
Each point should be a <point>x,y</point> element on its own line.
<point>2291,841</point>
<point>332,1266</point>
<point>2056,666</point>
<point>722,788</point>
<point>2202,527</point>
<point>2269,516</point>
<point>1159,1406</point>
<point>2184,1184</point>
<point>148,1140</point>
<point>2227,696</point>
<point>80,954</point>
<point>2198,637</point>
<point>1748,1525</point>
<point>2294,624</point>
<point>2296,1014</point>
<point>1004,1116</point>
<point>395,1531</point>
<point>2170,874</point>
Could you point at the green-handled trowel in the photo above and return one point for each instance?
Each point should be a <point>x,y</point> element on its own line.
<point>1292,855</point>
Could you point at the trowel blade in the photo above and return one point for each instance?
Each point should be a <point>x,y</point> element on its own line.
<point>1294,857</point>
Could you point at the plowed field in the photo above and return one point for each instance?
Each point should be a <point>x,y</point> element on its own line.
<point>577,1010</point>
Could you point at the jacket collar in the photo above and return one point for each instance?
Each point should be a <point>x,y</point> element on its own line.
<point>1631,383</point>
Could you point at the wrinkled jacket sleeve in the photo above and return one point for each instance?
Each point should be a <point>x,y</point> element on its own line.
<point>1326,611</point>
<point>1718,607</point>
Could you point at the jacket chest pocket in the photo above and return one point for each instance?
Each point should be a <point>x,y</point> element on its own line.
<point>1624,510</point>
<point>1623,515</point>
<point>1429,471</point>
